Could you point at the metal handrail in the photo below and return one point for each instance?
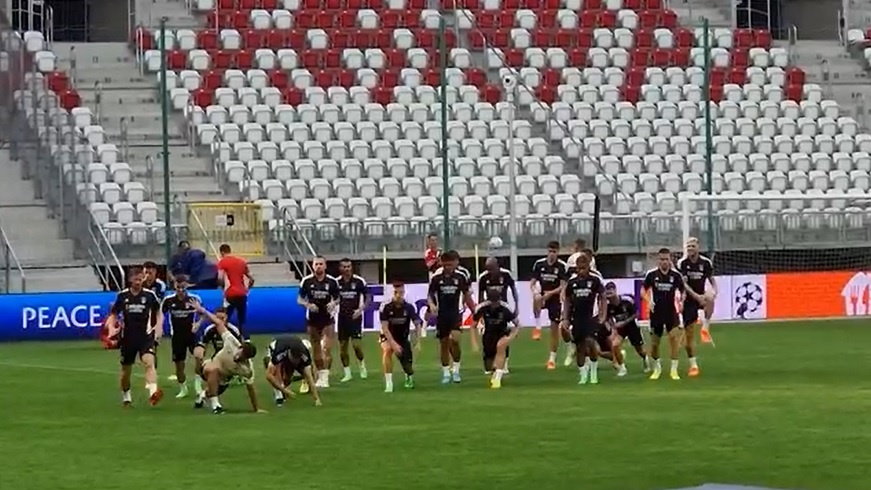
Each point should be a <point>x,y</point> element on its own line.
<point>96,239</point>
<point>9,253</point>
<point>290,225</point>
<point>206,236</point>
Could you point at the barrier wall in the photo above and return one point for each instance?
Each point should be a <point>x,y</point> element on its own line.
<point>57,316</point>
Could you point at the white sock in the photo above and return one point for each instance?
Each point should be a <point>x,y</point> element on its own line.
<point>506,365</point>
<point>694,362</point>
<point>388,380</point>
<point>198,385</point>
<point>182,384</point>
<point>347,371</point>
<point>587,361</point>
<point>571,349</point>
<point>278,394</point>
<point>674,364</point>
<point>551,357</point>
<point>455,367</point>
<point>362,365</point>
<point>151,387</point>
<point>657,364</point>
<point>446,370</point>
<point>498,374</point>
<point>324,374</point>
<point>594,367</point>
<point>646,361</point>
<point>705,322</point>
<point>583,369</point>
<point>214,402</point>
<point>537,323</point>
<point>126,396</point>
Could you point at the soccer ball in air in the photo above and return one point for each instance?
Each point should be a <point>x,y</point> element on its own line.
<point>495,242</point>
<point>748,298</point>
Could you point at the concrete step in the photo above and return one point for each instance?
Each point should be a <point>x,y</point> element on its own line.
<point>81,278</point>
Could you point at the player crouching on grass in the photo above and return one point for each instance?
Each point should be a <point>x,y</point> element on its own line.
<point>621,324</point>
<point>210,336</point>
<point>288,359</point>
<point>396,319</point>
<point>140,330</point>
<point>233,360</point>
<point>499,324</point>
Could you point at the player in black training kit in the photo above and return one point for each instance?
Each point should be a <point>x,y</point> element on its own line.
<point>318,293</point>
<point>583,293</point>
<point>179,305</point>
<point>447,289</point>
<point>397,316</point>
<point>353,299</point>
<point>142,327</point>
<point>289,358</point>
<point>697,271</point>
<point>621,324</point>
<point>502,280</point>
<point>662,285</point>
<point>499,323</point>
<point>549,276</point>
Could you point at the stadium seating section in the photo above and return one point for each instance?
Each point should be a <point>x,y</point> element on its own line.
<point>329,110</point>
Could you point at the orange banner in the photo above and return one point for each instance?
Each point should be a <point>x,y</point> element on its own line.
<point>817,294</point>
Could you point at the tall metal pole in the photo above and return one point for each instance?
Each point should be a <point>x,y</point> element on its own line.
<point>164,114</point>
<point>511,94</point>
<point>446,168</point>
<point>709,145</point>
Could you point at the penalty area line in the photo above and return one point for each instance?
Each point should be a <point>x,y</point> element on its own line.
<point>49,367</point>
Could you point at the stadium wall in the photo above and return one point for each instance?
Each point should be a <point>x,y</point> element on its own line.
<point>63,316</point>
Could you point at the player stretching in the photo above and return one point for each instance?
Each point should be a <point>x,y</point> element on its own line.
<point>500,328</point>
<point>396,319</point>
<point>584,292</point>
<point>446,290</point>
<point>233,360</point>
<point>210,337</point>
<point>182,313</point>
<point>287,355</point>
<point>502,280</point>
<point>142,327</point>
<point>697,271</point>
<point>661,287</point>
<point>318,293</point>
<point>622,325</point>
<point>549,277</point>
<point>353,300</point>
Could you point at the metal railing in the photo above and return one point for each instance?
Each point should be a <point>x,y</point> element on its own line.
<point>10,262</point>
<point>102,253</point>
<point>295,243</point>
<point>206,235</point>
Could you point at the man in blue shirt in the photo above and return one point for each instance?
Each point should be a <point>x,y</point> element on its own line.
<point>193,263</point>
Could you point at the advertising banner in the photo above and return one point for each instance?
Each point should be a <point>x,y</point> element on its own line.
<point>817,294</point>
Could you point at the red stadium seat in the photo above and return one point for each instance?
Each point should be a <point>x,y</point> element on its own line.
<point>269,4</point>
<point>203,97</point>
<point>740,58</point>
<point>325,78</point>
<point>325,19</point>
<point>639,57</point>
<point>632,4</point>
<point>313,58</point>
<point>476,77</point>
<point>382,95</point>
<point>416,4</point>
<point>514,57</point>
<point>381,38</point>
<point>794,92</point>
<point>341,38</point>
<point>491,94</point>
<point>505,19</point>
<point>296,39</point>
<point>542,38</point>
<point>239,20</point>
<point>795,76</point>
<point>222,58</point>
<point>390,19</point>
<point>684,38</point>
<point>530,4</point>
<point>246,4</point>
<point>635,76</point>
<point>630,93</point>
<point>347,18</point>
<point>742,39</point>
<point>546,94</point>
<point>143,38</point>
<point>311,4</point>
<point>486,19</point>
<point>551,77</point>
<point>585,38</point>
<point>668,19</point>
<point>333,58</point>
<point>661,57</point>
<point>648,19</point>
<point>292,96</point>
<point>644,38</point>
<point>653,4</point>
<point>255,39</point>
<point>334,4</point>
<point>565,38</point>
<point>177,60</point>
<point>278,79</point>
<point>207,39</point>
<point>477,41</point>
<point>227,4</point>
<point>277,39</point>
<point>58,82</point>
<point>546,19</point>
<point>510,4</point>
<point>411,19</point>
<point>500,38</point>
<point>395,58</point>
<point>718,77</point>
<point>425,38</point>
<point>213,79</point>
<point>680,57</point>
<point>244,59</point>
<point>738,75</point>
<point>762,38</point>
<point>607,18</point>
<point>716,93</point>
<point>432,77</point>
<point>388,78</point>
<point>305,19</point>
<point>578,57</point>
<point>593,5</point>
<point>589,18</point>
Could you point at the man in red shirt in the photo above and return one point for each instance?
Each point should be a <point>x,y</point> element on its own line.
<point>233,273</point>
<point>432,254</point>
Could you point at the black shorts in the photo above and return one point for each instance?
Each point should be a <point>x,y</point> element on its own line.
<point>182,344</point>
<point>318,320</point>
<point>489,342</point>
<point>133,348</point>
<point>446,325</point>
<point>603,338</point>
<point>663,321</point>
<point>633,333</point>
<point>350,328</point>
<point>554,309</point>
<point>583,329</point>
<point>691,309</point>
<point>406,357</point>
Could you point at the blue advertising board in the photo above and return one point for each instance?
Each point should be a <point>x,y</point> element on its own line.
<point>63,316</point>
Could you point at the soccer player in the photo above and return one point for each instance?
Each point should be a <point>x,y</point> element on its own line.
<point>353,300</point>
<point>233,360</point>
<point>396,319</point>
<point>502,280</point>
<point>549,277</point>
<point>179,305</point>
<point>288,356</point>
<point>318,294</point>
<point>142,326</point>
<point>662,285</point>
<point>151,281</point>
<point>697,271</point>
<point>233,273</point>
<point>582,294</point>
<point>622,324</point>
<point>447,289</point>
<point>500,328</point>
<point>210,337</point>
<point>579,246</point>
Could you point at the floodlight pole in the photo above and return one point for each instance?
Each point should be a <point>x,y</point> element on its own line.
<point>510,83</point>
<point>164,116</point>
<point>443,90</point>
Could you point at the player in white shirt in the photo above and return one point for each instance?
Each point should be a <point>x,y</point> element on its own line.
<point>234,360</point>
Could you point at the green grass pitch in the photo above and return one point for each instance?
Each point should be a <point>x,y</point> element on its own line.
<point>778,404</point>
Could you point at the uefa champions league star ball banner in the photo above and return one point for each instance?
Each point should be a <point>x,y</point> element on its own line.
<point>64,316</point>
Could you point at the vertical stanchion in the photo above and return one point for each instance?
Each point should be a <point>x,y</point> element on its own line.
<point>443,91</point>
<point>597,213</point>
<point>164,113</point>
<point>510,83</point>
<point>709,147</point>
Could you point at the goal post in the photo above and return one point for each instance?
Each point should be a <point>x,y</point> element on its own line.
<point>781,232</point>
